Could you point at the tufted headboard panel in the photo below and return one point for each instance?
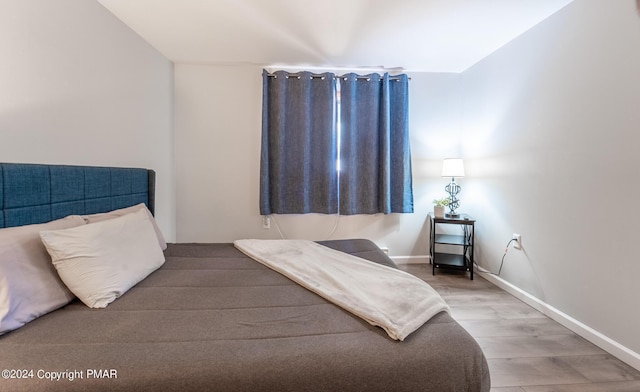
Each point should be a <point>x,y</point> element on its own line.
<point>35,193</point>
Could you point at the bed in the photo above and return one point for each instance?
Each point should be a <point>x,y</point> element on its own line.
<point>210,318</point>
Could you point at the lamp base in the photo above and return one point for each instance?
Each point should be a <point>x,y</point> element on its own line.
<point>450,215</point>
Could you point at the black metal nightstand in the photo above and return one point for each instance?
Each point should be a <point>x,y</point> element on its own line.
<point>456,261</point>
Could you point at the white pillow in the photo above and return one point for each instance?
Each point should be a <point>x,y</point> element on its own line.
<point>123,211</point>
<point>101,261</point>
<point>29,284</point>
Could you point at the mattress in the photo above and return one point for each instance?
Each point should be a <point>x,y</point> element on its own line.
<point>213,319</point>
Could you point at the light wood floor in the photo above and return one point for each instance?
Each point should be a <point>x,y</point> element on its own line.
<point>526,351</point>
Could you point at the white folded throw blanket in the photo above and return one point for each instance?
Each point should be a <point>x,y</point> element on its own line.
<point>386,297</point>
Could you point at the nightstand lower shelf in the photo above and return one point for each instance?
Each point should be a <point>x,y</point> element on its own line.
<point>452,261</point>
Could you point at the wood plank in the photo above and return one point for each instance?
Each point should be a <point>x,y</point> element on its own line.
<point>602,368</point>
<point>457,298</point>
<point>488,312</point>
<point>532,371</point>
<point>514,327</point>
<point>519,311</point>
<point>620,386</point>
<point>536,346</point>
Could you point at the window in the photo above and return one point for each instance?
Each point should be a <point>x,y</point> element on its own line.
<point>335,144</point>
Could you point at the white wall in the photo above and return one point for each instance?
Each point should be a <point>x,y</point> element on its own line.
<point>79,87</point>
<point>218,126</point>
<point>551,145</point>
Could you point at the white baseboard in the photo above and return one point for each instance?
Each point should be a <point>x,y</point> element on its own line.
<point>410,259</point>
<point>609,345</point>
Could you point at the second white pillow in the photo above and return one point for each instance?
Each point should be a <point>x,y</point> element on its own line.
<point>101,261</point>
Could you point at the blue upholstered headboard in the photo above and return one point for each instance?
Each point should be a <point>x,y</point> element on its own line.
<point>33,193</point>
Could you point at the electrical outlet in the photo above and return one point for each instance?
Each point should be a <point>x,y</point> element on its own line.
<point>518,241</point>
<point>266,222</point>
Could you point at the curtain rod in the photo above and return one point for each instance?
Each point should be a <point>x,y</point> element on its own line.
<point>322,76</point>
<point>297,75</point>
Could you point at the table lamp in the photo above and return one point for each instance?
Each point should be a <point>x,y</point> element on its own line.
<point>452,167</point>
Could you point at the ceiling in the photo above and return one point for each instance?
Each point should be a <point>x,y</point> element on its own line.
<point>414,35</point>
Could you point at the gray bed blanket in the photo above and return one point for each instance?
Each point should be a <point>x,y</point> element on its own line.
<point>213,319</point>
<point>394,300</point>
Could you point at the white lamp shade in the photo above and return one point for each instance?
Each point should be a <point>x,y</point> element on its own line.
<point>452,167</point>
